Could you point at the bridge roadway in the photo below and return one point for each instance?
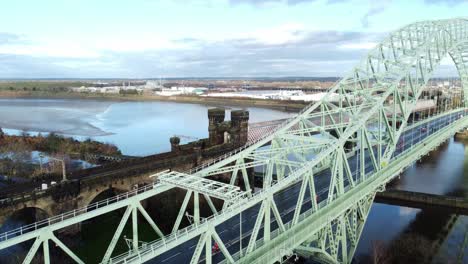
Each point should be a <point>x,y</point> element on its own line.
<point>230,230</point>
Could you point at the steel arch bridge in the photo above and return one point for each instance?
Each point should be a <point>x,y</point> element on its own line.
<point>321,169</point>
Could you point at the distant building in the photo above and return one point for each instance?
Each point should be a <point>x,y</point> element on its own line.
<point>280,95</point>
<point>154,84</point>
<point>182,91</point>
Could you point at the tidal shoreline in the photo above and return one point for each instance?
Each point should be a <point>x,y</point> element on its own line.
<point>284,105</point>
<point>137,127</point>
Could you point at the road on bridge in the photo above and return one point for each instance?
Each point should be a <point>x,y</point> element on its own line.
<point>230,231</point>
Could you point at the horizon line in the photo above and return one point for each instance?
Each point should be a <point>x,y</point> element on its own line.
<point>188,77</point>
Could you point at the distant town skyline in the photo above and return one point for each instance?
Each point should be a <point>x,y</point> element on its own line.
<point>201,38</point>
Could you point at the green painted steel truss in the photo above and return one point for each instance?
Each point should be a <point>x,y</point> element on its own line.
<point>353,142</point>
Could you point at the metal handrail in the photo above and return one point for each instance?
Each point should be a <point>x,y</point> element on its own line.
<point>61,217</point>
<point>173,237</point>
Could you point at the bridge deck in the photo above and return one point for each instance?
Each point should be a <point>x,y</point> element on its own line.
<point>285,201</point>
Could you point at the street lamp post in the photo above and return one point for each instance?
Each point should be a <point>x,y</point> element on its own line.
<point>64,173</point>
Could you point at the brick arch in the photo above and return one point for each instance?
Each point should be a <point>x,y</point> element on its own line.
<point>90,196</point>
<point>20,212</point>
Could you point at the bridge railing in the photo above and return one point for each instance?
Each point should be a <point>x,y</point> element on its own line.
<point>61,217</point>
<point>324,203</point>
<point>56,219</point>
<point>157,244</point>
<point>228,212</point>
<point>173,237</point>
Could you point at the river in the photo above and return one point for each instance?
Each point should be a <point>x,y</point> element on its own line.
<point>443,171</point>
<point>141,128</point>
<point>136,128</point>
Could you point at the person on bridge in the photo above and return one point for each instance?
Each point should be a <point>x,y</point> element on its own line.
<point>215,248</point>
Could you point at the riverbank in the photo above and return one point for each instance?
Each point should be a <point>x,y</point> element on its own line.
<point>462,135</point>
<point>283,105</point>
<point>136,127</point>
<point>54,143</point>
<point>16,153</point>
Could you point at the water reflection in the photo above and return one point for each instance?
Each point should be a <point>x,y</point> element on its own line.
<point>443,171</point>
<point>137,128</point>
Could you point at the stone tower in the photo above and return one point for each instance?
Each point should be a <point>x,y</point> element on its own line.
<point>215,118</point>
<point>175,141</point>
<point>239,126</point>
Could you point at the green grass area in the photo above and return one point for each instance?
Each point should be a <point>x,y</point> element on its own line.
<point>40,85</point>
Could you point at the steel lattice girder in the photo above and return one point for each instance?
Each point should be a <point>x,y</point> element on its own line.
<point>409,64</point>
<point>378,94</point>
<point>216,189</point>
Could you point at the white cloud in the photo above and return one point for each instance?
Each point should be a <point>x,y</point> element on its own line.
<point>54,50</point>
<point>360,45</point>
<point>75,64</point>
<point>91,47</point>
<point>282,34</point>
<point>137,43</point>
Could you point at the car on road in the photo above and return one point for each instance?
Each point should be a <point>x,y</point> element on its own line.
<point>215,248</point>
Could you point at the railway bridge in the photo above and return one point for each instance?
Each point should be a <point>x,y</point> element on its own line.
<point>316,192</point>
<point>124,174</point>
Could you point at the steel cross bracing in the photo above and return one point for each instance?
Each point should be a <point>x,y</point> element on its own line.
<point>320,169</point>
<point>216,189</point>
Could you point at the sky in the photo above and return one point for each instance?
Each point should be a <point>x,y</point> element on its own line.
<point>200,38</point>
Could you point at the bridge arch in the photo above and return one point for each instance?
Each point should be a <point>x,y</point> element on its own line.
<point>381,91</point>
<point>100,194</point>
<point>459,55</point>
<point>401,65</point>
<point>370,106</point>
<point>24,216</point>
